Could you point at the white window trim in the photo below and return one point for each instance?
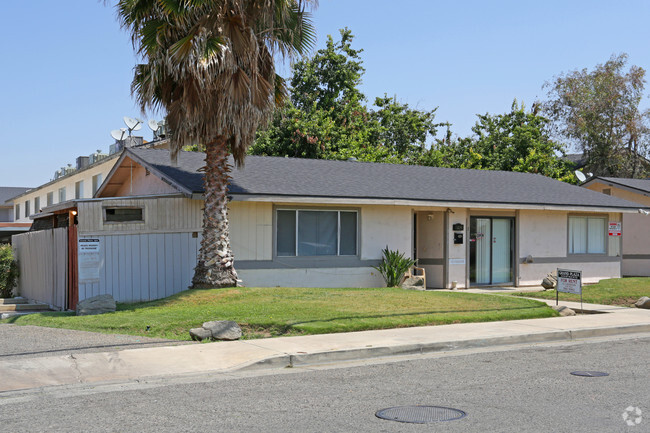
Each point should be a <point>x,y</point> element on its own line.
<point>587,253</point>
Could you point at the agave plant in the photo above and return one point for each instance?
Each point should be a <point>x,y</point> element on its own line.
<point>393,266</point>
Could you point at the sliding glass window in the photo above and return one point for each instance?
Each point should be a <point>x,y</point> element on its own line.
<point>316,232</point>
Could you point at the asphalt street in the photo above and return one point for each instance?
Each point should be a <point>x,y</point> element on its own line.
<point>32,341</point>
<point>516,389</point>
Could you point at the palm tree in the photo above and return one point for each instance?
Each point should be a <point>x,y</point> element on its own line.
<point>209,64</point>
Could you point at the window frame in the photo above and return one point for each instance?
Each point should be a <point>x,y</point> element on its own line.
<point>605,233</point>
<point>63,193</point>
<point>140,221</point>
<point>337,256</point>
<point>17,212</point>
<point>49,198</point>
<point>37,204</point>
<point>27,209</point>
<point>79,189</point>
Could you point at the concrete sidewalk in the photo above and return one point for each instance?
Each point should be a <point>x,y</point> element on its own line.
<point>222,357</point>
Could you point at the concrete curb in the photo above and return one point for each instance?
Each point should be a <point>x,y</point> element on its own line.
<point>298,360</point>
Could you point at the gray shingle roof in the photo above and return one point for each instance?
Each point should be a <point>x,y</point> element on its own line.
<point>642,185</point>
<point>8,192</point>
<point>263,175</point>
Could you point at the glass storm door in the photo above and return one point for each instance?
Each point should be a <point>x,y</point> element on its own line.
<point>490,250</point>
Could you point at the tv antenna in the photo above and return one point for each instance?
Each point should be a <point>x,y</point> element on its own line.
<point>132,124</point>
<point>580,175</point>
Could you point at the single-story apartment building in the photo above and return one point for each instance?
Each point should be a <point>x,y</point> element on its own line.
<point>320,223</point>
<point>636,248</point>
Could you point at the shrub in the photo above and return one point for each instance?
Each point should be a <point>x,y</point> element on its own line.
<point>8,271</point>
<point>393,266</point>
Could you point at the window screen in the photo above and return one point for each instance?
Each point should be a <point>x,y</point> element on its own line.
<point>586,235</point>
<point>316,233</point>
<point>286,233</point>
<point>121,214</point>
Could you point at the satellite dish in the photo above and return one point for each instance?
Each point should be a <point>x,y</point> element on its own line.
<point>590,174</point>
<point>137,127</point>
<point>130,122</point>
<point>119,134</point>
<point>153,125</point>
<point>580,175</point>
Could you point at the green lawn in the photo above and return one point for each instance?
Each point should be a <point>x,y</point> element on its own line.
<point>615,291</point>
<point>264,312</point>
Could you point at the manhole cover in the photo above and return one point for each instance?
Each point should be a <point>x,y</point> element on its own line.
<point>590,373</point>
<point>420,414</point>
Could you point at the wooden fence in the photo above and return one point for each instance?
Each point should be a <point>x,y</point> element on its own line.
<point>43,261</point>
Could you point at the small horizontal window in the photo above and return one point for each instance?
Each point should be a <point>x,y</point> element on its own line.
<point>123,214</point>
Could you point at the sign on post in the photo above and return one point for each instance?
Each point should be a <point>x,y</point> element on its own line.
<point>89,259</point>
<point>614,228</point>
<point>568,281</point>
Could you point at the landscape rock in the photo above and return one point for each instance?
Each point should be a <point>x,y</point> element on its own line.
<point>96,305</point>
<point>564,311</point>
<point>413,283</point>
<point>200,334</point>
<point>223,330</point>
<point>643,302</point>
<point>548,283</point>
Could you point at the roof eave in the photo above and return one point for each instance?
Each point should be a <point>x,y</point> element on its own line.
<point>424,203</point>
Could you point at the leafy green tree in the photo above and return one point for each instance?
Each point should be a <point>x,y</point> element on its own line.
<point>599,112</point>
<point>209,64</point>
<point>327,116</point>
<point>514,141</point>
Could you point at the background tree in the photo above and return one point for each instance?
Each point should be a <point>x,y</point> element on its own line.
<point>209,65</point>
<point>327,116</point>
<point>599,112</point>
<point>514,141</point>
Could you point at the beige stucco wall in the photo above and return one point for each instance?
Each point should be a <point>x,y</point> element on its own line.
<point>543,235</point>
<point>312,277</point>
<point>103,167</point>
<point>636,232</point>
<point>430,245</point>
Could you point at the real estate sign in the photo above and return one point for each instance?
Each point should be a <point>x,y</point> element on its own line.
<point>569,281</point>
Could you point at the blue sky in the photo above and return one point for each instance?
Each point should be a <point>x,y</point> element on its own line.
<point>66,67</point>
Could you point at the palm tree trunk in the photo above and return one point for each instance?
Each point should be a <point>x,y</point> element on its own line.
<point>215,265</point>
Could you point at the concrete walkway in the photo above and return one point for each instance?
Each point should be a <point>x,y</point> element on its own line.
<point>223,357</point>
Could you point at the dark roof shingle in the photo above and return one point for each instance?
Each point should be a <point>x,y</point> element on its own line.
<point>642,185</point>
<point>278,176</point>
<point>9,192</point>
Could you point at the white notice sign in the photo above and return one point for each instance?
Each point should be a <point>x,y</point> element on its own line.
<point>569,281</point>
<point>614,228</point>
<point>89,260</point>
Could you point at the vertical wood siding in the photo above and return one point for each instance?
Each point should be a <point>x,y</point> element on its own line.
<point>251,232</point>
<point>43,260</point>
<point>143,267</point>
<point>160,214</point>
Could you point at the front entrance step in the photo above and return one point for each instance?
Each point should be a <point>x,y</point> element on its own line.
<point>24,307</point>
<point>13,301</point>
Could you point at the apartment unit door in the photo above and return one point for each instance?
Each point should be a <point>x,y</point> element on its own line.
<point>491,247</point>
